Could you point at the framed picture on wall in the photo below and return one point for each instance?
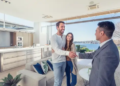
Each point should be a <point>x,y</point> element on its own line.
<point>20,41</point>
<point>19,38</point>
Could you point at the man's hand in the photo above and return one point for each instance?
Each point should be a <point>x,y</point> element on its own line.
<point>53,51</point>
<point>63,48</point>
<point>72,55</point>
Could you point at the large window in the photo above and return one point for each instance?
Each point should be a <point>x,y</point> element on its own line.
<point>1,19</point>
<point>81,31</point>
<point>85,30</point>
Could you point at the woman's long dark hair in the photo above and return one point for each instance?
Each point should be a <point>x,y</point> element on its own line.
<point>71,42</point>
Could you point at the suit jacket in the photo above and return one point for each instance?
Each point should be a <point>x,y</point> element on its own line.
<point>105,61</point>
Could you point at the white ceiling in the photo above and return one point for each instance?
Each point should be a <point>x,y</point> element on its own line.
<point>34,9</point>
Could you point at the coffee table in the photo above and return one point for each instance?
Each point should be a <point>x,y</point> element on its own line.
<point>84,74</point>
<point>84,63</point>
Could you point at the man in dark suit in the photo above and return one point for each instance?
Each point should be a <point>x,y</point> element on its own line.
<point>105,58</point>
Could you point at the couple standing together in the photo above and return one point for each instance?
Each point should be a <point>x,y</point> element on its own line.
<point>105,58</point>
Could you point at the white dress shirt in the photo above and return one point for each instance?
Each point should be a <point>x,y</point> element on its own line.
<point>104,42</point>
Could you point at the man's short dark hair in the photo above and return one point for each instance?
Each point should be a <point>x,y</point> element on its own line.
<point>58,23</point>
<point>108,27</point>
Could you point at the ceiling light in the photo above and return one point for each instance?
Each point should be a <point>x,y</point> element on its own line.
<point>46,16</point>
<point>6,1</point>
<point>92,6</point>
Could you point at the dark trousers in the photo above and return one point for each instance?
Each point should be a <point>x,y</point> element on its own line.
<point>69,68</point>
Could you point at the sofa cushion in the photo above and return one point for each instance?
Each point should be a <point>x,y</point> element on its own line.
<point>50,65</point>
<point>49,62</point>
<point>29,66</point>
<point>38,69</point>
<point>50,59</point>
<point>49,78</point>
<point>44,66</point>
<point>31,78</point>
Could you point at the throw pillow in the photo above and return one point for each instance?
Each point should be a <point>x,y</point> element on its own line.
<point>44,66</point>
<point>38,69</point>
<point>50,60</point>
<point>50,65</point>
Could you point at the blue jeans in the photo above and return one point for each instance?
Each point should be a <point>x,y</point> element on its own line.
<point>59,69</point>
<point>69,67</point>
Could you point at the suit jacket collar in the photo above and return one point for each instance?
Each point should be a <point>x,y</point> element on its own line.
<point>104,46</point>
<point>105,42</point>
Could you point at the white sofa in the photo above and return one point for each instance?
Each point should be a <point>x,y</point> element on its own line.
<point>31,78</point>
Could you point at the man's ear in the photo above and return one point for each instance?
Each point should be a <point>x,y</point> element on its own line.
<point>102,33</point>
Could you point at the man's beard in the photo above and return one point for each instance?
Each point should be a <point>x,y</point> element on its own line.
<point>61,32</point>
<point>97,38</point>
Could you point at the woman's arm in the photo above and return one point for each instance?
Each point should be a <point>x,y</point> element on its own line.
<point>73,48</point>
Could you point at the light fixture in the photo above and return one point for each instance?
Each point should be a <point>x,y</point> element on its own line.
<point>92,5</point>
<point>46,16</point>
<point>6,1</point>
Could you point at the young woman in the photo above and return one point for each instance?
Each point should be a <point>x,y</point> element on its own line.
<point>71,67</point>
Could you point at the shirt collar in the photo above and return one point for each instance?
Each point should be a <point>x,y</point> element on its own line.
<point>104,42</point>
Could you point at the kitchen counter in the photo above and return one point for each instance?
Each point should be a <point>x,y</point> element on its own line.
<point>15,57</point>
<point>21,49</point>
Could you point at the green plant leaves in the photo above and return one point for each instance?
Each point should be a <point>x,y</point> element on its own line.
<point>10,76</point>
<point>17,78</point>
<point>1,83</point>
<point>10,81</point>
<point>82,49</point>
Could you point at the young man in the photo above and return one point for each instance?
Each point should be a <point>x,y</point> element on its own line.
<point>58,41</point>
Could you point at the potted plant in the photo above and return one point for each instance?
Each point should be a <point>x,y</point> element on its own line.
<point>10,81</point>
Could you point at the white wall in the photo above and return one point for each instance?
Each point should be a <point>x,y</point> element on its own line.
<point>42,33</point>
<point>50,33</point>
<point>46,33</point>
<point>36,34</point>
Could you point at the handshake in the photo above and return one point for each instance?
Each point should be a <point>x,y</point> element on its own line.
<point>72,55</point>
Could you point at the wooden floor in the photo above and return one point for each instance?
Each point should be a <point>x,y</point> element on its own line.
<point>11,71</point>
<point>79,79</point>
<point>117,76</point>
